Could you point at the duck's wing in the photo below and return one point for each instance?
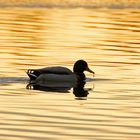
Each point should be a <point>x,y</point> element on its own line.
<point>34,73</point>
<point>55,70</point>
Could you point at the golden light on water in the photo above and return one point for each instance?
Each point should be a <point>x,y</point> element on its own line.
<point>107,38</point>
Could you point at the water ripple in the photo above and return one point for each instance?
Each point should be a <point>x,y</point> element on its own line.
<point>38,37</point>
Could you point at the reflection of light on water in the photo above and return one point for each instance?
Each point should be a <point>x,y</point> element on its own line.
<point>35,38</point>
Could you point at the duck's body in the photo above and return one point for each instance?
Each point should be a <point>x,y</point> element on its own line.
<point>34,73</point>
<point>59,75</point>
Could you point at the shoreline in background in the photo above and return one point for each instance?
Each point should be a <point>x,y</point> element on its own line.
<point>111,4</point>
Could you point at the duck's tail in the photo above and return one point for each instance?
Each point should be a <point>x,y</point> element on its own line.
<point>31,75</point>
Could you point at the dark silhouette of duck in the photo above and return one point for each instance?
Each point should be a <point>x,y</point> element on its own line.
<point>56,75</point>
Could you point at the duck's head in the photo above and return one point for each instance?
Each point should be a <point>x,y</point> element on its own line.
<point>80,66</point>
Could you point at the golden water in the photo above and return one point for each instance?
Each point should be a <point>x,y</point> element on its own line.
<point>109,39</point>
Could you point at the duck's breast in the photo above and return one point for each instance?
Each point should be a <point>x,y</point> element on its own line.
<point>58,80</point>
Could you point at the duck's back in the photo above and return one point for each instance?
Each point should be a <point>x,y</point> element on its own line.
<point>54,70</point>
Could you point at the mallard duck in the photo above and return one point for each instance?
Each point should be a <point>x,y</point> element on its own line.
<point>59,74</point>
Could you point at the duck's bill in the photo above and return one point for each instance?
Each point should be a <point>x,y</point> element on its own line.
<point>89,70</point>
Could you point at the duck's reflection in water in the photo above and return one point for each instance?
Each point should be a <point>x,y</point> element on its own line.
<point>52,88</point>
<point>79,91</point>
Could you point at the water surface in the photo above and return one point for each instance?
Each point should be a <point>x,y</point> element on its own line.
<point>108,39</point>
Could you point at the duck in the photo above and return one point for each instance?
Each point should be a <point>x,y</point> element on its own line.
<point>58,75</point>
